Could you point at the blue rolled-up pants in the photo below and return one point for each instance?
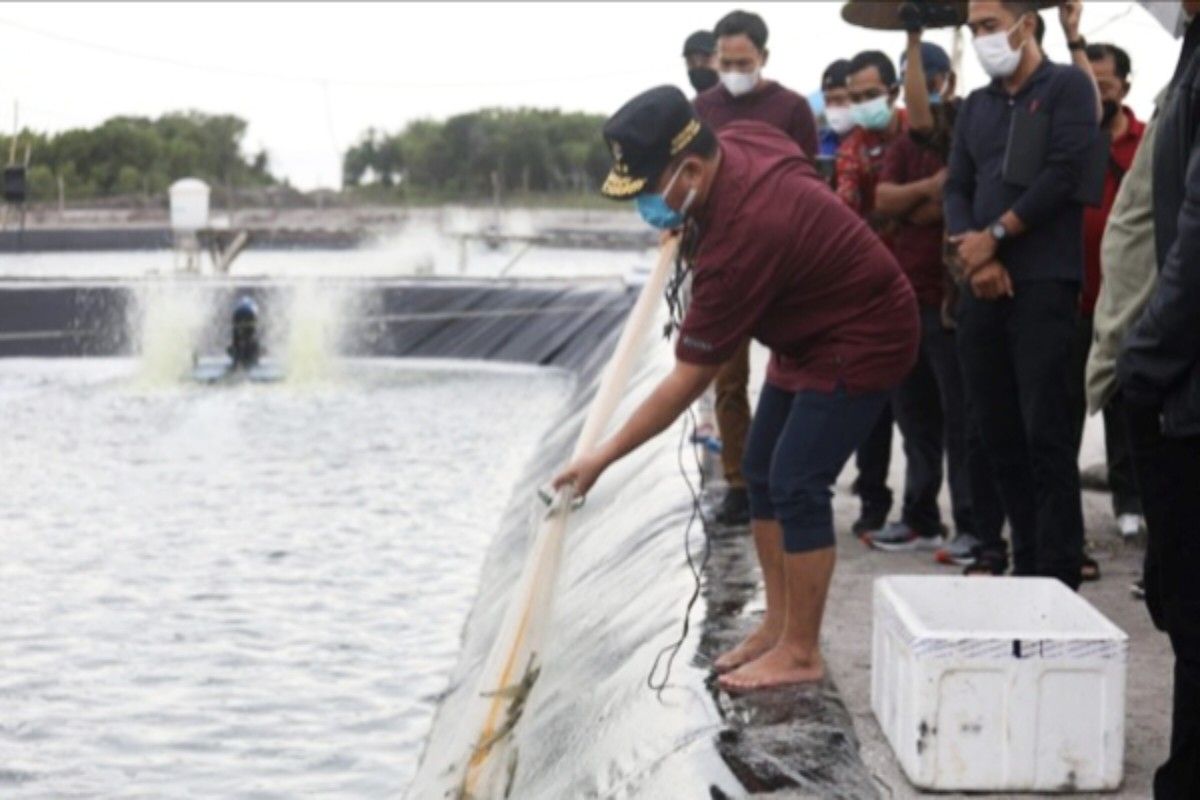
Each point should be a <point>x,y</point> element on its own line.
<point>797,447</point>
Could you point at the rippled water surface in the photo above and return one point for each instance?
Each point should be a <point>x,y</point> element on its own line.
<point>241,591</point>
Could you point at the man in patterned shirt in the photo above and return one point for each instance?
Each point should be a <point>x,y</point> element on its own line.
<point>873,93</point>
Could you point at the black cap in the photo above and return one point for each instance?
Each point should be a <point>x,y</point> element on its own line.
<point>701,42</point>
<point>643,137</point>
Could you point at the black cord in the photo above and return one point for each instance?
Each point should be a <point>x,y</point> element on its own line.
<point>671,651</point>
<point>689,238</point>
<point>687,434</point>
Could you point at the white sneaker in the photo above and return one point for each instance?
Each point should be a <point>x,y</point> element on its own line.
<point>1130,525</point>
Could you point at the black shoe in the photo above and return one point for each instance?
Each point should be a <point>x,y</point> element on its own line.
<point>987,563</point>
<point>868,522</point>
<point>735,508</point>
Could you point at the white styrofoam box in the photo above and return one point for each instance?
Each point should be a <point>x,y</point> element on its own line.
<point>998,684</point>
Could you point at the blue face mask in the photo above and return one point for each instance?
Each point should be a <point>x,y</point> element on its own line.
<point>654,208</point>
<point>935,98</point>
<point>874,115</point>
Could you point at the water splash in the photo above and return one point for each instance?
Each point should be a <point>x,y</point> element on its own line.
<point>315,330</point>
<point>167,323</point>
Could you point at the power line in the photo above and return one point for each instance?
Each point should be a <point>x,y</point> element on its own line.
<point>309,79</point>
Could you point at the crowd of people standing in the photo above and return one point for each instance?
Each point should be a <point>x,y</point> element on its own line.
<point>976,272</point>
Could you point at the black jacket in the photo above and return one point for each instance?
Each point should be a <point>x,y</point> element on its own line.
<point>1159,365</point>
<point>976,194</point>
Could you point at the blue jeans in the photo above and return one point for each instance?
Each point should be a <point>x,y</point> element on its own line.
<point>797,446</point>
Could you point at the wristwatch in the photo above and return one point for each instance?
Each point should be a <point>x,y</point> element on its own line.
<point>1078,44</point>
<point>998,231</point>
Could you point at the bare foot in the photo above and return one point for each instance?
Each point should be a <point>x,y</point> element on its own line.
<point>753,646</point>
<point>782,665</point>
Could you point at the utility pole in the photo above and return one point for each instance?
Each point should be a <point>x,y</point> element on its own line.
<point>12,148</point>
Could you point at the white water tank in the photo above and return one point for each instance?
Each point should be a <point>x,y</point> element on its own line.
<point>189,204</point>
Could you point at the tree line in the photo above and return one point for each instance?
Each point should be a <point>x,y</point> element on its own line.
<point>474,155</point>
<point>138,155</point>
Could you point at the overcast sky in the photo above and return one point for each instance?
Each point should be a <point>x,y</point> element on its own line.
<point>311,77</point>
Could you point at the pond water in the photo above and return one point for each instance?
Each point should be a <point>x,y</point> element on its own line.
<point>247,590</point>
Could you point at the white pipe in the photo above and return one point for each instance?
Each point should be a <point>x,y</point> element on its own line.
<point>474,764</point>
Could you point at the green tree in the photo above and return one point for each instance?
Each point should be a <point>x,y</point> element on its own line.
<point>529,150</point>
<point>126,155</point>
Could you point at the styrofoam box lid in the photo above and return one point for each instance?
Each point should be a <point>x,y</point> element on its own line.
<point>994,608</point>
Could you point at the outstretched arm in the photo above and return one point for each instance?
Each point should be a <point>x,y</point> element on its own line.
<point>669,399</point>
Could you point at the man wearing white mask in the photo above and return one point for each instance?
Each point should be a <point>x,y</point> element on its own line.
<point>744,95</point>
<point>1020,257</point>
<point>838,115</point>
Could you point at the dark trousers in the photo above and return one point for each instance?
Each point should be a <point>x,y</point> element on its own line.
<point>987,508</point>
<point>1015,352</point>
<point>1168,476</point>
<point>1116,442</point>
<point>930,410</point>
<point>873,459</point>
<point>798,444</point>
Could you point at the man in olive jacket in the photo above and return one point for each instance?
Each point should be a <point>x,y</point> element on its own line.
<point>1159,376</point>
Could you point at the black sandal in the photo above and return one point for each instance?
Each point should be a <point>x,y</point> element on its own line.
<point>1089,570</point>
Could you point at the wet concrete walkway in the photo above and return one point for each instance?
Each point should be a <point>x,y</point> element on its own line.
<point>824,741</point>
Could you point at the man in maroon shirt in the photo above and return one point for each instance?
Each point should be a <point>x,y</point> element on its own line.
<point>930,406</point>
<point>744,94</point>
<point>873,91</point>
<point>777,257</point>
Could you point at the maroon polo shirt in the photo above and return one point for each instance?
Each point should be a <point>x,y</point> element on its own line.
<point>918,248</point>
<point>770,103</point>
<point>782,259</point>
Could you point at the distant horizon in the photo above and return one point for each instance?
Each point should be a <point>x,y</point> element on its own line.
<point>385,66</point>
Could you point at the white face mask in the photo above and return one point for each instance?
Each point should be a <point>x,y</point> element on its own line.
<point>840,119</point>
<point>997,56</point>
<point>740,83</point>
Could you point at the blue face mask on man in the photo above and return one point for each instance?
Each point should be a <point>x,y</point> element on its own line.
<point>654,208</point>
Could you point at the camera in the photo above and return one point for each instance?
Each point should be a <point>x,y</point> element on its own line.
<point>918,14</point>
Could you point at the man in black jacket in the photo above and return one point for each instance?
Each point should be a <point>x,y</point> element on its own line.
<point>1159,374</point>
<point>1020,250</point>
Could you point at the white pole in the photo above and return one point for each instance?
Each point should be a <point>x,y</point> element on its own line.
<point>474,763</point>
